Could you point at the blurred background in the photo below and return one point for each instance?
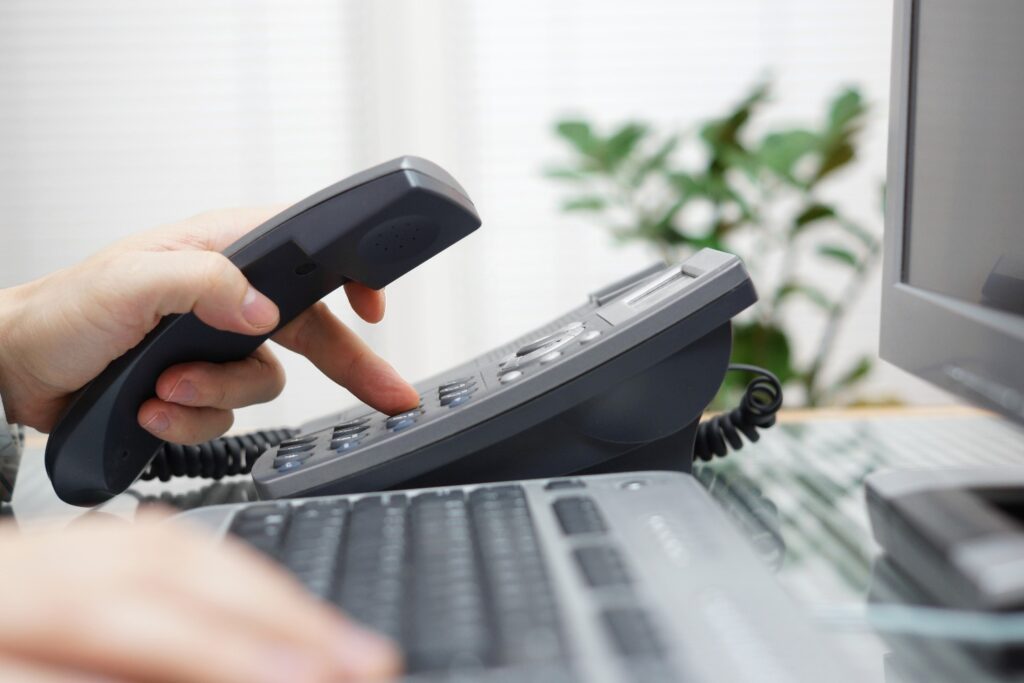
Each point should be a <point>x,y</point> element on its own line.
<point>594,137</point>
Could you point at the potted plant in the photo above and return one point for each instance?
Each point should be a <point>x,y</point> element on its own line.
<point>759,197</point>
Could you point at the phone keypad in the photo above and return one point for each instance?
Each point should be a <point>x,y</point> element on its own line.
<point>353,431</point>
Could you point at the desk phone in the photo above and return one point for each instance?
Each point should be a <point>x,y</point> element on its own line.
<point>617,384</point>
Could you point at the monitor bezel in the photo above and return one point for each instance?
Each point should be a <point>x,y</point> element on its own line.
<point>945,333</point>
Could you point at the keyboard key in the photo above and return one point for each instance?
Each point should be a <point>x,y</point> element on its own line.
<point>602,566</point>
<point>311,544</point>
<point>579,515</point>
<point>262,526</point>
<point>528,628</point>
<point>450,627</point>
<point>632,633</point>
<point>373,569</point>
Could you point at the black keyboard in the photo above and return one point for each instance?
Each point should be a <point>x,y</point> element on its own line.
<point>457,579</point>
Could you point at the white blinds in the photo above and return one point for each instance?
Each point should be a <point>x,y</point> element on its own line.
<point>120,114</point>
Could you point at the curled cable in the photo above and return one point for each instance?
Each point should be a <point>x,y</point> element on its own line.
<point>222,457</point>
<point>761,400</point>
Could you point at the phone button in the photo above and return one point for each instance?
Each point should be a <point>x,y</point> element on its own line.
<point>350,424</point>
<point>297,443</point>
<point>455,400</point>
<point>454,387</point>
<point>448,397</point>
<point>401,418</point>
<point>289,465</point>
<point>291,457</point>
<point>346,430</point>
<point>346,436</point>
<point>453,383</point>
<point>588,337</point>
<point>399,425</point>
<point>550,357</point>
<point>295,448</point>
<point>510,376</point>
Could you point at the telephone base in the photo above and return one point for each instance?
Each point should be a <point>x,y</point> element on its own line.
<point>672,453</point>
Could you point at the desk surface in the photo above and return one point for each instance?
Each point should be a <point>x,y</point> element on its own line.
<point>798,496</point>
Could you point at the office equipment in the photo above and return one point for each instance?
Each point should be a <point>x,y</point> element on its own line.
<point>599,578</point>
<point>954,247</point>
<point>957,532</point>
<point>616,384</point>
<point>953,293</point>
<point>372,228</point>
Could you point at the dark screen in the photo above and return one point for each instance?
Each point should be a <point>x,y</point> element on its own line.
<point>965,235</point>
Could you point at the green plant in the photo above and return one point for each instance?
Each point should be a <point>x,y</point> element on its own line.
<point>757,196</point>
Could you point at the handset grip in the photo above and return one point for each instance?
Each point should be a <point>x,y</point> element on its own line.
<point>371,228</point>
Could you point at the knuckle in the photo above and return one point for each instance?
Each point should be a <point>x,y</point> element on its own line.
<point>216,270</point>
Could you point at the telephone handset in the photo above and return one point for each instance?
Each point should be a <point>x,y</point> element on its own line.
<point>371,228</point>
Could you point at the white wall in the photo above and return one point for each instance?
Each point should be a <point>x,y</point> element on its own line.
<point>120,114</point>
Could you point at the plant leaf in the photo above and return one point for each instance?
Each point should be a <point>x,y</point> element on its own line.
<point>585,203</point>
<point>622,143</point>
<point>834,158</point>
<point>837,253</point>
<point>845,109</point>
<point>856,373</point>
<point>656,161</point>
<point>780,152</point>
<point>580,136</point>
<point>812,213</point>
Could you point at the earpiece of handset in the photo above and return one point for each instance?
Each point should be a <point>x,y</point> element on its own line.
<point>371,228</point>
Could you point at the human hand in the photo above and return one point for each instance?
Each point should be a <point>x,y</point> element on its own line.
<point>59,332</point>
<point>158,601</point>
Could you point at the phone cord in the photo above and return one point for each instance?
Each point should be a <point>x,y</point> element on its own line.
<point>214,459</point>
<point>761,400</point>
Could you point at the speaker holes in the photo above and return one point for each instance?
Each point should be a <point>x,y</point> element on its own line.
<point>400,239</point>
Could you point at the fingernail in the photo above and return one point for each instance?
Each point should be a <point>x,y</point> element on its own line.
<point>258,310</point>
<point>158,423</point>
<point>364,653</point>
<point>183,392</point>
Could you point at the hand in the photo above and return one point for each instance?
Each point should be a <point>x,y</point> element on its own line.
<point>157,601</point>
<point>59,332</point>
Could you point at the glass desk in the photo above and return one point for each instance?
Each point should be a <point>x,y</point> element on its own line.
<point>798,496</point>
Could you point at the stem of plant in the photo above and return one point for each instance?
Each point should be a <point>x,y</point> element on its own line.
<point>835,315</point>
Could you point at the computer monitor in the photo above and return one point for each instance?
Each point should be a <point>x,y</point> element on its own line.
<point>953,290</point>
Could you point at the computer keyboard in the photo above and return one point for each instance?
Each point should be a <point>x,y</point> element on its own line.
<point>468,567</point>
<point>632,577</point>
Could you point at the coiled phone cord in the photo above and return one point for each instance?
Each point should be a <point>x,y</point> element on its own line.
<point>214,459</point>
<point>761,400</point>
